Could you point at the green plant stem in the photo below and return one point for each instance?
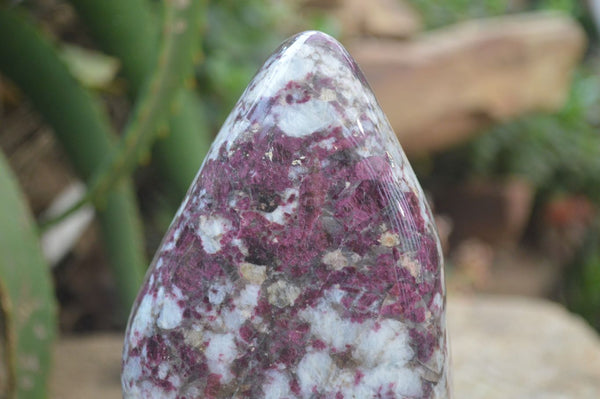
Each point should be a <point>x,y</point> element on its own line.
<point>31,61</point>
<point>180,153</point>
<point>26,297</point>
<point>174,65</point>
<point>133,38</point>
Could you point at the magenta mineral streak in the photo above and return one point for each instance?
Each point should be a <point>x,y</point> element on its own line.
<point>304,261</point>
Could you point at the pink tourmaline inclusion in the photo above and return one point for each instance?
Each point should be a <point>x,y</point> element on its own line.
<point>304,262</point>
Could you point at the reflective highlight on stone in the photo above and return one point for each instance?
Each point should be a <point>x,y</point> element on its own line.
<point>304,262</point>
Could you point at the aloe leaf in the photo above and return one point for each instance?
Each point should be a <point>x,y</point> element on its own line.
<point>32,62</point>
<point>128,30</point>
<point>174,67</point>
<point>132,36</point>
<point>26,296</point>
<point>180,153</point>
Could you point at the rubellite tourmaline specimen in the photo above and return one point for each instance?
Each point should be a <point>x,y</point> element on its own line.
<point>304,261</point>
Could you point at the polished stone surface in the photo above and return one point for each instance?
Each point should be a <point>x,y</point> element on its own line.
<point>304,261</point>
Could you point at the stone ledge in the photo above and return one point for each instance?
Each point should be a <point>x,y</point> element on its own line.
<point>512,347</point>
<point>502,347</point>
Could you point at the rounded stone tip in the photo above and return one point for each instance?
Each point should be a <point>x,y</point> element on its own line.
<point>316,35</point>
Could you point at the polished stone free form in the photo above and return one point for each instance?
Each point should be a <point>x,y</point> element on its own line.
<point>304,261</point>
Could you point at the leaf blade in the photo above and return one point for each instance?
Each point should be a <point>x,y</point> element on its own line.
<point>27,295</point>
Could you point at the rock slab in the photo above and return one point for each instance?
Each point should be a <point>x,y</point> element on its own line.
<point>442,87</point>
<point>521,348</point>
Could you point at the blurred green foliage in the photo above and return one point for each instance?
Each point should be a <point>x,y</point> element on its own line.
<point>181,84</point>
<point>239,37</point>
<point>581,288</point>
<point>437,13</point>
<point>557,153</point>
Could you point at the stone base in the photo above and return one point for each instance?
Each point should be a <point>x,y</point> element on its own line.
<point>502,347</point>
